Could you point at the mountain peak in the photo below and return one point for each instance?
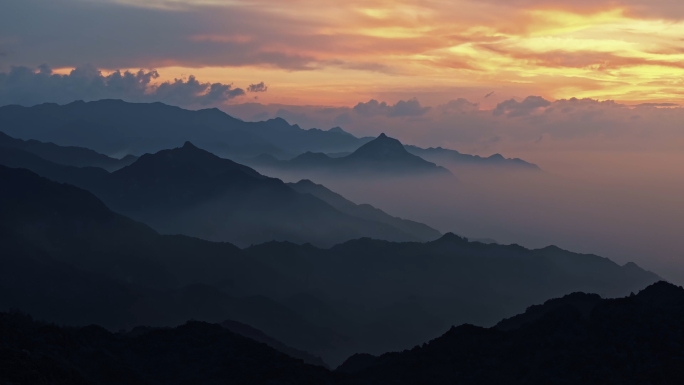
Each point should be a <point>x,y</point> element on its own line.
<point>452,238</point>
<point>189,146</point>
<point>382,147</point>
<point>662,293</point>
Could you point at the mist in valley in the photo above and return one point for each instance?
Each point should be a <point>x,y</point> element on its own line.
<point>626,206</point>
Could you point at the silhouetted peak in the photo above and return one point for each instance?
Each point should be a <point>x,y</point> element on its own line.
<point>382,147</point>
<point>338,129</point>
<point>190,158</point>
<point>311,156</point>
<point>497,157</point>
<point>278,122</point>
<point>357,363</point>
<point>662,293</point>
<point>451,238</point>
<point>306,182</point>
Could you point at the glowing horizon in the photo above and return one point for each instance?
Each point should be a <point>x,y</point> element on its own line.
<point>331,53</point>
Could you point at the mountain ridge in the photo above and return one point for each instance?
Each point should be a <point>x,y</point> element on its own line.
<point>382,156</point>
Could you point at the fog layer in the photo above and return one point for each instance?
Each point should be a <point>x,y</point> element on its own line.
<point>627,206</point>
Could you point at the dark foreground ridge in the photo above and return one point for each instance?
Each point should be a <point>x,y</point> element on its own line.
<point>634,340</point>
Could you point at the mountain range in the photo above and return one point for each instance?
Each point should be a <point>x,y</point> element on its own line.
<point>446,157</point>
<point>68,258</point>
<point>117,128</point>
<point>577,339</point>
<point>381,157</point>
<point>193,192</point>
<point>67,155</point>
<point>632,340</point>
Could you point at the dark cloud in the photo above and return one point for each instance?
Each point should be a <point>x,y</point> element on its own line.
<point>259,87</point>
<point>26,86</point>
<point>402,108</point>
<point>122,35</point>
<point>513,108</point>
<point>489,94</point>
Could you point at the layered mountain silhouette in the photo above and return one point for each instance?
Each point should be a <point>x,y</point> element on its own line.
<point>365,211</point>
<point>196,352</point>
<point>577,339</point>
<point>383,156</point>
<point>193,192</point>
<point>117,128</point>
<point>259,336</point>
<point>67,155</point>
<point>407,293</point>
<point>447,157</point>
<point>297,140</point>
<point>67,258</point>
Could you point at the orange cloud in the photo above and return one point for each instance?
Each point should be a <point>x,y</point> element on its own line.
<point>355,50</point>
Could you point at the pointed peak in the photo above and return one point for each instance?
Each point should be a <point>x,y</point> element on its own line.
<point>382,136</point>
<point>306,182</point>
<point>189,146</point>
<point>451,237</point>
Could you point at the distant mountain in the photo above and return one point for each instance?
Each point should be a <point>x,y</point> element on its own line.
<point>196,352</point>
<point>581,339</point>
<point>297,140</point>
<point>193,192</point>
<point>115,127</point>
<point>365,211</point>
<point>190,191</point>
<point>84,177</point>
<point>446,157</point>
<point>67,155</point>
<point>381,156</point>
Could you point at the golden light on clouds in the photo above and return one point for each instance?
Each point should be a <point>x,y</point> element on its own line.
<point>626,50</point>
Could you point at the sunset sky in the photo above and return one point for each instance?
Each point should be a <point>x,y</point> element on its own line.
<point>338,53</point>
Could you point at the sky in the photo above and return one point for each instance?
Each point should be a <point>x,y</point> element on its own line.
<point>337,53</point>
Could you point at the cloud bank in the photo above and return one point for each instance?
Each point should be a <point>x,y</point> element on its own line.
<point>513,127</point>
<point>402,108</point>
<point>26,86</point>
